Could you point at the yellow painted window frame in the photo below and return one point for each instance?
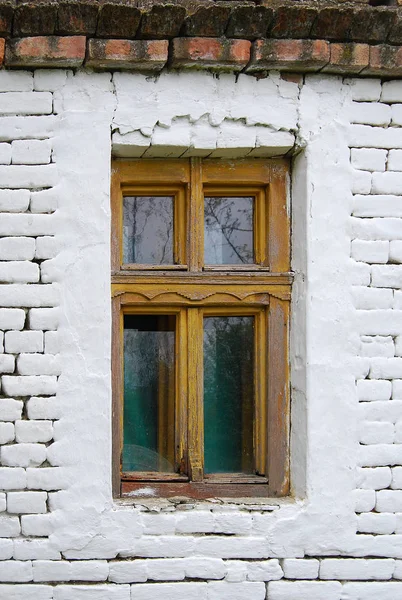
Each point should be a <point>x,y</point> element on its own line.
<point>191,290</point>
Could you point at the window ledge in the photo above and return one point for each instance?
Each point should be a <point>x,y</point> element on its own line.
<point>182,503</point>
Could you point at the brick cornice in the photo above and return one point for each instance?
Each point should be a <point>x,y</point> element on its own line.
<point>223,35</point>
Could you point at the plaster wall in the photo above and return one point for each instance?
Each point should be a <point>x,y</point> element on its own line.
<point>62,534</point>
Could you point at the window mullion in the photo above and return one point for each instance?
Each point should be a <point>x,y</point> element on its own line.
<point>195,395</point>
<point>196,217</point>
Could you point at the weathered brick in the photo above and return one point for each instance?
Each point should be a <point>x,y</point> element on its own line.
<point>118,21</point>
<point>385,60</point>
<point>35,19</point>
<point>207,21</point>
<point>6,18</point>
<point>220,54</point>
<point>333,23</point>
<point>371,24</point>
<point>77,18</point>
<point>295,55</point>
<point>162,22</point>
<point>46,51</point>
<point>249,22</point>
<point>348,58</point>
<point>292,22</point>
<point>142,55</point>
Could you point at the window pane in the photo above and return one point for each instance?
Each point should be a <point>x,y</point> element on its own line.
<point>228,394</point>
<point>228,231</point>
<point>148,230</point>
<point>148,433</point>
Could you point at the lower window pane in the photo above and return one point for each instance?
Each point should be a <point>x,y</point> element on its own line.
<point>149,397</point>
<point>228,394</point>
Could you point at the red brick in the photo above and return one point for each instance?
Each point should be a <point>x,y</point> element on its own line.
<point>2,49</point>
<point>348,58</point>
<point>289,55</point>
<point>215,53</point>
<point>35,18</point>
<point>77,18</point>
<point>141,55</point>
<point>46,51</point>
<point>385,60</point>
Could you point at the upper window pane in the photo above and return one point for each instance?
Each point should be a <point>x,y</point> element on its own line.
<point>148,230</point>
<point>228,230</point>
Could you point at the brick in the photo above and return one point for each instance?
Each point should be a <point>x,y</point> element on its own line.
<point>23,341</point>
<point>372,591</point>
<point>396,483</point>
<point>396,111</point>
<point>118,21</point>
<point>298,568</point>
<point>389,501</point>
<point>387,183</point>
<point>220,54</point>
<point>267,570</point>
<point>252,22</point>
<point>361,182</point>
<point>394,160</point>
<point>377,346</point>
<point>35,549</point>
<point>91,570</point>
<point>12,478</point>
<point>303,590</point>
<point>5,154</point>
<point>398,433</point>
<point>33,295</point>
<point>15,81</point>
<point>368,159</point>
<point>204,568</point>
<point>294,55</point>
<point>49,80</point>
<point>7,433</point>
<point>9,526</point>
<point>141,55</point>
<point>379,455</point>
<point>207,21</point>
<point>52,342</point>
<point>15,571</point>
<point>12,318</point>
<point>347,58</point>
<point>35,19</point>
<point>370,251</point>
<point>37,525</point>
<point>26,592</point>
<point>17,248</point>
<point>33,431</point>
<point>10,409</point>
<point>365,90</point>
<point>395,251</point>
<point>49,51</point>
<point>38,364</point>
<point>385,61</point>
<point>387,276</point>
<point>14,200</point>
<point>6,18</point>
<point>27,176</point>
<point>19,272</point>
<point>44,318</point>
<point>23,455</point>
<point>46,247</point>
<point>379,524</point>
<point>376,433</point>
<point>51,570</point>
<point>377,206</point>
<point>381,411</point>
<point>391,92</point>
<point>292,22</point>
<point>44,201</point>
<point>370,113</point>
<point>170,591</point>
<point>224,590</point>
<point>396,389</point>
<point>7,363</point>
<point>26,502</point>
<point>47,478</point>
<point>374,479</point>
<point>27,385</point>
<point>161,22</point>
<point>31,152</point>
<point>354,568</point>
<point>43,408</point>
<point>128,572</point>
<point>25,103</point>
<point>6,549</point>
<point>332,24</point>
<point>77,18</point>
<point>371,24</point>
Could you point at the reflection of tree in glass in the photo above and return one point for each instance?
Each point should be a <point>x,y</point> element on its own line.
<point>148,230</point>
<point>228,230</point>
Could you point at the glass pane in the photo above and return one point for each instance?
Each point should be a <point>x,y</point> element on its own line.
<point>148,230</point>
<point>148,433</point>
<point>228,231</point>
<point>228,394</point>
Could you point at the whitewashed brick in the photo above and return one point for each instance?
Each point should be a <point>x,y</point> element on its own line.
<point>19,272</point>
<point>394,162</point>
<point>299,568</point>
<point>26,103</point>
<point>49,80</point>
<point>397,389</point>
<point>44,318</point>
<point>371,389</point>
<point>395,251</point>
<point>391,92</point>
<point>387,183</point>
<point>396,483</point>
<point>381,411</point>
<point>165,569</point>
<point>1,342</point>
<point>377,206</point>
<point>23,341</point>
<point>31,152</point>
<point>23,455</point>
<point>37,525</point>
<point>377,346</point>
<point>361,182</point>
<point>374,432</point>
<point>360,273</point>
<point>20,128</point>
<point>378,455</point>
<point>33,295</point>
<point>43,408</point>
<point>16,571</point>
<point>398,569</point>
<point>26,502</point>
<point>12,318</point>
<point>45,201</point>
<point>370,113</point>
<point>374,479</point>
<point>376,229</point>
<point>396,111</point>
<point>46,247</point>
<point>128,572</point>
<point>239,524</point>
<point>389,501</point>
<point>10,409</point>
<point>14,248</point>
<point>9,526</point>
<point>369,251</point>
<point>33,431</point>
<point>368,159</point>
<point>7,433</point>
<point>365,136</point>
<point>398,345</point>
<point>27,224</point>
<point>236,570</point>
<point>5,154</point>
<point>16,81</point>
<point>372,591</point>
<point>387,276</point>
<point>304,590</point>
<point>29,176</point>
<point>354,568</point>
<point>398,433</point>
<point>35,549</point>
<point>386,368</point>
<point>384,523</point>
<point>47,478</point>
<point>225,590</point>
<point>7,363</point>
<point>6,549</point>
<point>29,384</point>
<point>104,592</point>
<point>204,568</point>
<point>14,201</point>
<point>51,570</point>
<point>52,342</point>
<point>26,592</point>
<point>365,89</point>
<point>12,478</point>
<point>38,364</point>
<point>266,570</point>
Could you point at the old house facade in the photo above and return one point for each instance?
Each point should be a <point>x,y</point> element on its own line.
<point>294,111</point>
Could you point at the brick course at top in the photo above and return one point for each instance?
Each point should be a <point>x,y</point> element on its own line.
<point>145,35</point>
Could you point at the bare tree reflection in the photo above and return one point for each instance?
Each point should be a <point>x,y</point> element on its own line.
<point>228,230</point>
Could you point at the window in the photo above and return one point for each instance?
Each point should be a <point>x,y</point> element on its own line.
<point>200,293</point>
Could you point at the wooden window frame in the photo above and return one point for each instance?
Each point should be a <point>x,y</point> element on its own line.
<point>191,290</point>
